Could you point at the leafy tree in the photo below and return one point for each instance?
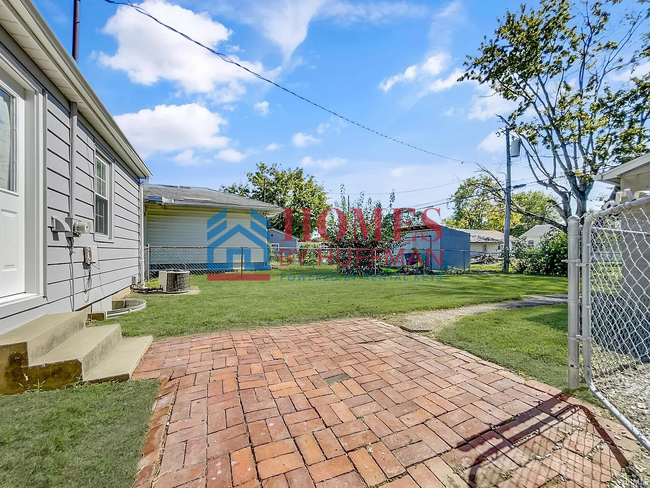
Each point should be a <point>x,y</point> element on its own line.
<point>549,258</point>
<point>286,188</point>
<point>479,203</point>
<point>558,63</point>
<point>361,217</point>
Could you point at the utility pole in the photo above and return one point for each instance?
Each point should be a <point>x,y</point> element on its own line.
<point>75,30</point>
<point>264,191</point>
<point>506,227</point>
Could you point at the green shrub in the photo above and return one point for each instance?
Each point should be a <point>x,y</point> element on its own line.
<point>548,258</point>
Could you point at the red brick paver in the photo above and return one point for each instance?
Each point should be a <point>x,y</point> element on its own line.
<point>358,403</point>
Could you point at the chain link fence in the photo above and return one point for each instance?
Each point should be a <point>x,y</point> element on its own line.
<point>203,260</point>
<point>616,312</point>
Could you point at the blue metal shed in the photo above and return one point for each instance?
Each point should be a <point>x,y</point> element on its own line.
<point>451,250</point>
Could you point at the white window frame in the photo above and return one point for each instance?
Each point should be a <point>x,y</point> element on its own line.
<point>109,197</point>
<point>14,136</point>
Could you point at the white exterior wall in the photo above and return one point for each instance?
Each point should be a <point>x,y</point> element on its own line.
<point>637,179</point>
<point>187,227</point>
<point>478,248</point>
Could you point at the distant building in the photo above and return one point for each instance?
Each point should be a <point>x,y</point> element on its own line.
<point>451,250</point>
<point>276,239</point>
<point>484,241</point>
<point>633,175</point>
<point>177,219</point>
<point>533,236</point>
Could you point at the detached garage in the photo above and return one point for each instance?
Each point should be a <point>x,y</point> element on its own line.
<point>182,222</point>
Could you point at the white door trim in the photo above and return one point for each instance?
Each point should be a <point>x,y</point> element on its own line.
<point>34,179</point>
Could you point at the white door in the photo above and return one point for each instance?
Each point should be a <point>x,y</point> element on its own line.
<point>12,189</point>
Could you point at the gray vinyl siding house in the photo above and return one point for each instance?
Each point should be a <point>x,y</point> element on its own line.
<point>277,241</point>
<point>68,135</point>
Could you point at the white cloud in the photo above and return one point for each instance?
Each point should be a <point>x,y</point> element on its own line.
<point>148,52</point>
<point>347,12</point>
<point>487,104</point>
<point>493,144</point>
<point>404,171</point>
<point>328,163</point>
<point>304,140</point>
<point>452,10</point>
<point>171,128</point>
<point>451,112</point>
<point>274,146</point>
<point>408,75</point>
<point>442,84</point>
<point>432,66</point>
<point>229,108</point>
<point>262,108</point>
<point>436,64</point>
<point>322,127</point>
<point>230,155</point>
<point>286,22</point>
<point>626,75</point>
<point>187,158</point>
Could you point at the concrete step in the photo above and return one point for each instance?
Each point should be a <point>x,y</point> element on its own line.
<point>45,333</point>
<point>121,362</point>
<point>88,347</point>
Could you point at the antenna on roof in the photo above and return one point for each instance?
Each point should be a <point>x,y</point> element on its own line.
<point>75,30</point>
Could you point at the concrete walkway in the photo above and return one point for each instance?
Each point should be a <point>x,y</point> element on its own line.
<point>437,319</point>
<point>360,403</point>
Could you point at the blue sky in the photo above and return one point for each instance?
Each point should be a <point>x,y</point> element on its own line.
<point>391,65</point>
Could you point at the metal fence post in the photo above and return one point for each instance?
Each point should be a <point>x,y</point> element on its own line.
<point>586,298</point>
<point>573,275</point>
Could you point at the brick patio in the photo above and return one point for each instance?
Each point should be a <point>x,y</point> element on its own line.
<point>360,403</point>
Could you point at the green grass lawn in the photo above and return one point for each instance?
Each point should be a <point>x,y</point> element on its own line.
<point>243,305</point>
<point>532,341</point>
<point>79,437</point>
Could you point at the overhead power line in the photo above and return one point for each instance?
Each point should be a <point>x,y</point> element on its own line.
<point>396,192</point>
<point>227,59</point>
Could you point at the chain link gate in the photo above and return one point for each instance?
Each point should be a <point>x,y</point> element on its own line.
<point>616,311</point>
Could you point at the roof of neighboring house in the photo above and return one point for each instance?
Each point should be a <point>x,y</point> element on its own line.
<point>26,26</point>
<point>484,236</point>
<point>188,196</point>
<point>537,231</point>
<point>475,236</point>
<point>614,175</point>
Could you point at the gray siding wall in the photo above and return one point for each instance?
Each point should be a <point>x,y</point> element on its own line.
<point>277,237</point>
<point>69,285</point>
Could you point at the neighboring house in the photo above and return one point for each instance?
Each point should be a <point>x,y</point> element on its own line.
<point>177,220</point>
<point>276,238</point>
<point>485,241</point>
<point>633,175</point>
<point>452,249</point>
<point>70,213</point>
<point>634,246</point>
<point>533,236</point>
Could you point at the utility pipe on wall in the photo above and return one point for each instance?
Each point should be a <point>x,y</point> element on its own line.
<point>74,119</point>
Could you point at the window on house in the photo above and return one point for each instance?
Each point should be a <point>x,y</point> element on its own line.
<point>102,197</point>
<point>531,242</point>
<point>7,142</point>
